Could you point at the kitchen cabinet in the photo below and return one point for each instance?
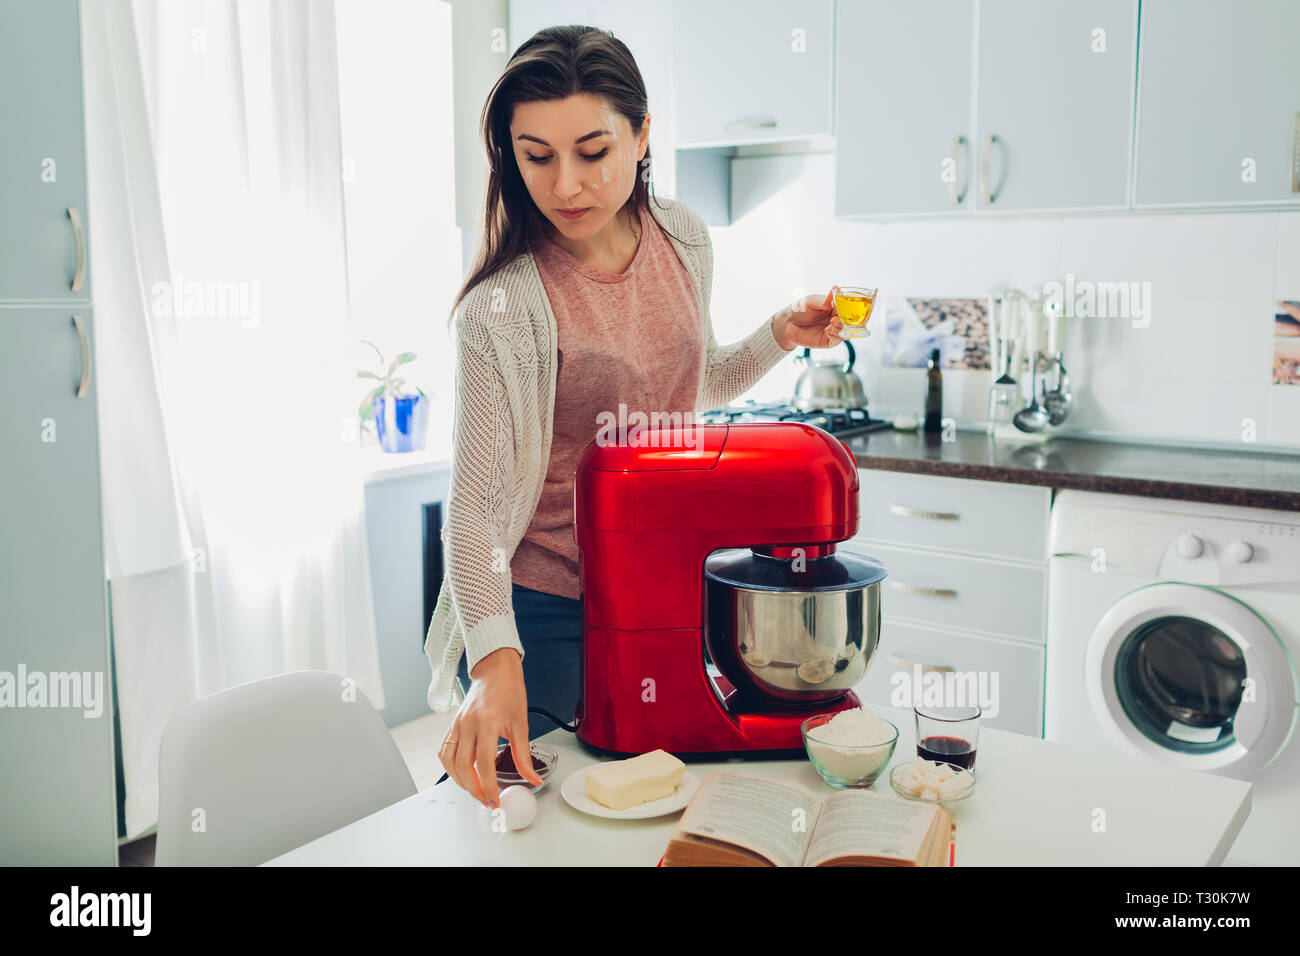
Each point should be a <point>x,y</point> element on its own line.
<point>757,73</point>
<point>42,164</point>
<point>953,107</point>
<point>58,788</point>
<point>649,39</point>
<point>967,586</point>
<point>902,107</point>
<point>995,597</point>
<point>957,515</point>
<point>529,16</point>
<point>1218,104</point>
<point>1054,105</point>
<point>906,646</point>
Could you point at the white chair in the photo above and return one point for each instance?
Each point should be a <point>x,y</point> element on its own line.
<point>262,768</point>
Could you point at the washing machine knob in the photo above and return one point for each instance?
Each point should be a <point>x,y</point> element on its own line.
<point>1239,552</point>
<point>1190,545</point>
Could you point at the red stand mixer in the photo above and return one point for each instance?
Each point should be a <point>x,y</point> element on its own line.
<point>719,539</point>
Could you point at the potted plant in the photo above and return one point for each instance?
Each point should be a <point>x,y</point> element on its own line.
<point>400,416</point>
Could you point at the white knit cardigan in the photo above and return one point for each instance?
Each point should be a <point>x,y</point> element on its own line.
<point>501,437</point>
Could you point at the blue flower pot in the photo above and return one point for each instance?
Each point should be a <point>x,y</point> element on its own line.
<point>401,427</point>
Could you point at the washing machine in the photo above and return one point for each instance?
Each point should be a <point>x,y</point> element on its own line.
<point>1173,631</point>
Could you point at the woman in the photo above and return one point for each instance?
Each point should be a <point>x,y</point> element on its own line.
<point>588,292</point>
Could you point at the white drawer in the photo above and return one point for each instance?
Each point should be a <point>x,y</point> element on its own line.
<point>955,514</point>
<point>1012,672</point>
<point>979,594</point>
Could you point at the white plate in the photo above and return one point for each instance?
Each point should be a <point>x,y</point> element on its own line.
<point>574,791</point>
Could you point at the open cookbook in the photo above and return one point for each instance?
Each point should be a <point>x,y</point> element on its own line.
<point>736,819</point>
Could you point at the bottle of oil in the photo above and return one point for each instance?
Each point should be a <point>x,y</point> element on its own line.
<point>934,394</point>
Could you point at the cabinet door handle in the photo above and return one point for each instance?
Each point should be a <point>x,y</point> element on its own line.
<point>1295,156</point>
<point>918,589</point>
<point>738,125</point>
<point>957,197</point>
<point>904,662</point>
<point>79,234</point>
<point>84,339</point>
<point>905,512</point>
<point>985,183</point>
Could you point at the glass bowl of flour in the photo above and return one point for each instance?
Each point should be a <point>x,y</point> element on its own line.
<point>851,748</point>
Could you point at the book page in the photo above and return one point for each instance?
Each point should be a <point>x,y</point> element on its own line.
<point>859,823</point>
<point>767,816</point>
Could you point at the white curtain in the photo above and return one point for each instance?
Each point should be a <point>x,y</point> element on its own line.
<point>233,499</point>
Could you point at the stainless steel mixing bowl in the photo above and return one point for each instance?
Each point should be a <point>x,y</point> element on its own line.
<point>792,633</point>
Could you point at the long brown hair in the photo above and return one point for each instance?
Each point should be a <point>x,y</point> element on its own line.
<point>553,64</point>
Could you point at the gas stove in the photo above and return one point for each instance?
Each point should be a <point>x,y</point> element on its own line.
<point>840,422</point>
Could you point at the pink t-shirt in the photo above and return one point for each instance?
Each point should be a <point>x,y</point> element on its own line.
<point>635,338</point>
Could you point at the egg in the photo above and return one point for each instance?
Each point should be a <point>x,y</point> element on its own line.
<point>520,806</point>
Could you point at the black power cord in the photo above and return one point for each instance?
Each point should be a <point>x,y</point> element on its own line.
<point>571,728</point>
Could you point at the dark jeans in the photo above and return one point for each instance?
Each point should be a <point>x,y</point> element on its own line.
<point>550,630</point>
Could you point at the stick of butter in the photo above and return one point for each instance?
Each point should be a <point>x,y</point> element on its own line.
<point>625,783</point>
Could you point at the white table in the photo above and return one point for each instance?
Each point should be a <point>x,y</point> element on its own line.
<point>1037,803</point>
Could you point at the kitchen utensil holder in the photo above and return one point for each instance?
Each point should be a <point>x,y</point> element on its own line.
<point>1022,307</point>
<point>1006,432</point>
<point>1004,401</point>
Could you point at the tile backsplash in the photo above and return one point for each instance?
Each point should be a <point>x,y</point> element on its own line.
<point>961,323</point>
<point>1286,344</point>
<point>1196,366</point>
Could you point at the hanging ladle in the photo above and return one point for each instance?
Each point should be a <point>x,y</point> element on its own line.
<point>1033,417</point>
<point>1059,399</point>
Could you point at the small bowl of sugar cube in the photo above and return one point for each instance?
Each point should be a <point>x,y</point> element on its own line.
<point>932,782</point>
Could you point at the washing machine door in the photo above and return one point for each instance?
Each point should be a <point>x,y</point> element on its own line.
<point>1191,676</point>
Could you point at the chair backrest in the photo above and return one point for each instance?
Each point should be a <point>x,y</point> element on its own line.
<point>262,768</point>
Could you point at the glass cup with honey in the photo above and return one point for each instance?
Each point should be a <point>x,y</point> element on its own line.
<point>853,305</point>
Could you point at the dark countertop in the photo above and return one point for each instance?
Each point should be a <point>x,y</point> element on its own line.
<point>1252,479</point>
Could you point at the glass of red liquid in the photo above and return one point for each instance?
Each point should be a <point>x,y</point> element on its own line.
<point>948,734</point>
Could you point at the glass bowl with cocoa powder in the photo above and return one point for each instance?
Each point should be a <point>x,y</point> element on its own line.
<point>508,775</point>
